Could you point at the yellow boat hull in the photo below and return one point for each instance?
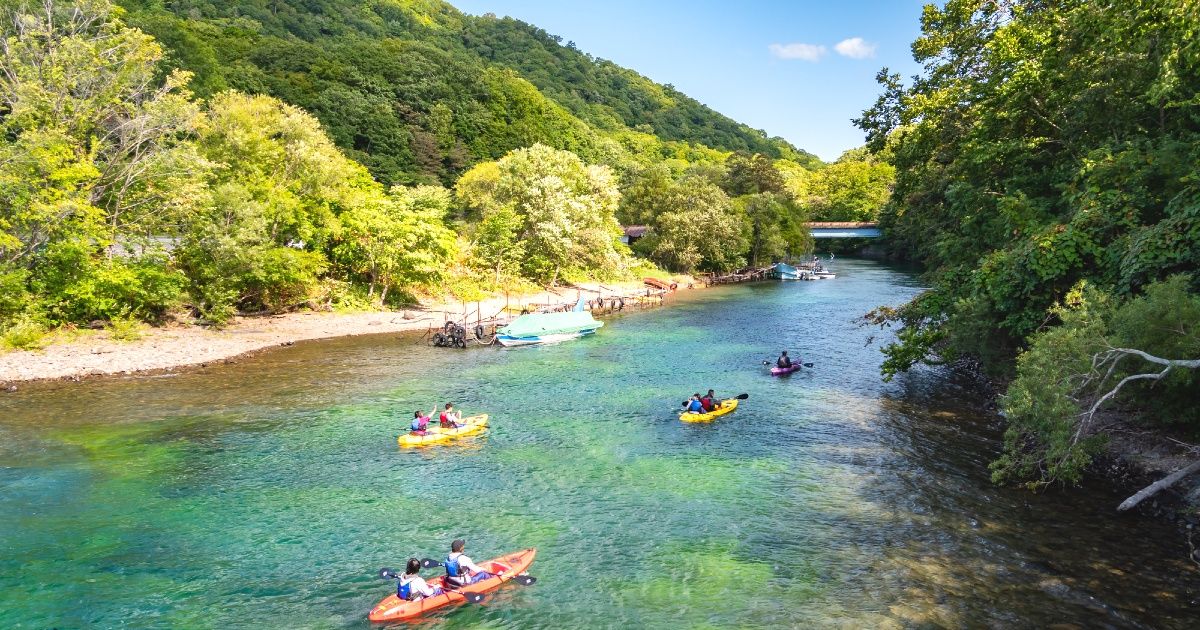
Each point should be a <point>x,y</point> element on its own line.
<point>436,434</point>
<point>726,406</point>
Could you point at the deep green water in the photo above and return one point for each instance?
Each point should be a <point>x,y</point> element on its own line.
<point>267,493</point>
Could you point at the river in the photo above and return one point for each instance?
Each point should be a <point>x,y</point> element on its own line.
<point>267,493</point>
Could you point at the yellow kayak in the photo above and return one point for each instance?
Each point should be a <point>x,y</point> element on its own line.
<point>435,434</point>
<point>726,406</point>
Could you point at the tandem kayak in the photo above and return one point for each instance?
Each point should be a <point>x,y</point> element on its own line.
<point>726,406</point>
<point>393,608</point>
<point>436,434</point>
<point>778,371</point>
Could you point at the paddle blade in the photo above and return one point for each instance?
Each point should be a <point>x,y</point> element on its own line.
<point>807,365</point>
<point>742,396</point>
<point>524,580</point>
<point>474,598</point>
<point>386,574</point>
<point>429,563</point>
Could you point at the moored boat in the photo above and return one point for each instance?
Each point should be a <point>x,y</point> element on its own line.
<point>538,328</point>
<point>504,568</point>
<point>784,271</point>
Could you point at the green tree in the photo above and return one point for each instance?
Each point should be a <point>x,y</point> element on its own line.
<point>696,229</point>
<point>1105,353</point>
<point>1043,144</point>
<point>855,188</point>
<point>397,240</point>
<point>566,211</point>
<point>751,174</point>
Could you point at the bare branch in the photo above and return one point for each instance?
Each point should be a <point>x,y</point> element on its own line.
<point>1158,486</point>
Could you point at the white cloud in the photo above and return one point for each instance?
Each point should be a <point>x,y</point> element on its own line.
<point>807,52</point>
<point>855,48</point>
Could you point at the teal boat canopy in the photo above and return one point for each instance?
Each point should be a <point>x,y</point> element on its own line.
<point>541,324</point>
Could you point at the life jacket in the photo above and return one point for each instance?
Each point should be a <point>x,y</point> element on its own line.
<point>416,424</point>
<point>707,403</point>
<point>404,590</point>
<point>696,406</point>
<point>784,362</point>
<point>452,568</point>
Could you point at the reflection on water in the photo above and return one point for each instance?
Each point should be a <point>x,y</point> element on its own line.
<point>268,492</point>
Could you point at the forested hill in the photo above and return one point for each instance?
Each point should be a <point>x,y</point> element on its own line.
<point>418,91</point>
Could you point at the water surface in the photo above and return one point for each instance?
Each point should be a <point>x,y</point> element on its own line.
<point>267,493</point>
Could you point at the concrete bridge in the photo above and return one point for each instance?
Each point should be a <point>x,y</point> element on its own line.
<point>847,229</point>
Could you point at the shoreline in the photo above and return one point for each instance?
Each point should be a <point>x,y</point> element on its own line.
<point>175,347</point>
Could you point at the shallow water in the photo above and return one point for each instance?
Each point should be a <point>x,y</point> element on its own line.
<point>268,493</point>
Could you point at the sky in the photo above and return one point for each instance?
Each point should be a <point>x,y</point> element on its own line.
<point>798,69</point>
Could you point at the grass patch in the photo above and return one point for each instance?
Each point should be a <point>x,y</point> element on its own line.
<point>24,335</point>
<point>125,329</point>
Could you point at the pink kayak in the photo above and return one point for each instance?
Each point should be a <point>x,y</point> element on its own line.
<point>778,371</point>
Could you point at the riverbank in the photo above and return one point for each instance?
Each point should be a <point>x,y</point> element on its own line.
<point>180,345</point>
<point>1133,458</point>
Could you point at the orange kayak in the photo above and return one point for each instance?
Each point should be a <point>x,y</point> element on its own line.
<point>393,608</point>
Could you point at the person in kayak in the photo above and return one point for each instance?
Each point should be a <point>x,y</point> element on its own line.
<point>694,405</point>
<point>412,586</point>
<point>460,571</point>
<point>783,362</point>
<point>710,401</point>
<point>420,422</point>
<point>450,418</point>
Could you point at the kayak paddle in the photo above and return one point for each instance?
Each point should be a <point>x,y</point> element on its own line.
<point>807,365</point>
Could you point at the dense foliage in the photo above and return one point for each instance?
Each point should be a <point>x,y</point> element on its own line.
<point>418,92</point>
<point>1043,144</point>
<point>1050,435</point>
<point>125,196</point>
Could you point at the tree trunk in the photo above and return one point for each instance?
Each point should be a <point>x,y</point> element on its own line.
<point>1157,486</point>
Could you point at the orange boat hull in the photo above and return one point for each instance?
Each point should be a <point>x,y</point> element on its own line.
<point>393,608</point>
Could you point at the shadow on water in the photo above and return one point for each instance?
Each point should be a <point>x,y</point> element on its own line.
<point>272,489</point>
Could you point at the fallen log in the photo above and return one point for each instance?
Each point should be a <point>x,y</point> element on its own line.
<point>1158,486</point>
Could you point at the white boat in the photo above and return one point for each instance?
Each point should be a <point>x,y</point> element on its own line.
<point>825,275</point>
<point>538,328</point>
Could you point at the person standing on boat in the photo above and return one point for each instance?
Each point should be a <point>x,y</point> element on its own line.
<point>783,362</point>
<point>460,571</point>
<point>412,586</point>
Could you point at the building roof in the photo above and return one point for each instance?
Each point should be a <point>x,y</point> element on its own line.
<point>635,231</point>
<point>842,224</point>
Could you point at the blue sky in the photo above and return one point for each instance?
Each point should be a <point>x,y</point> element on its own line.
<point>774,65</point>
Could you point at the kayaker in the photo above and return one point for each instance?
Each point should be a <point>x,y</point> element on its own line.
<point>460,571</point>
<point>710,402</point>
<point>784,362</point>
<point>694,405</point>
<point>420,422</point>
<point>450,418</point>
<point>412,586</point>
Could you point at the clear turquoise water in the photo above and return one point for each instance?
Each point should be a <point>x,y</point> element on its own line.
<point>268,493</point>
